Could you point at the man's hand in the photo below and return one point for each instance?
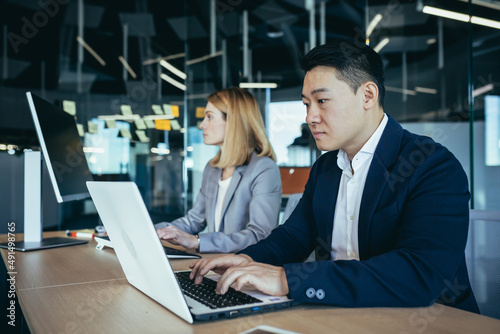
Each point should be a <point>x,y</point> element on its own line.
<point>178,237</point>
<point>219,264</point>
<point>242,271</point>
<point>266,278</point>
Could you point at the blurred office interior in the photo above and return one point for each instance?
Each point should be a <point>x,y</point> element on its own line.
<point>161,59</point>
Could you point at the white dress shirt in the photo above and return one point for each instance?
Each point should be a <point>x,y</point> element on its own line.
<point>352,184</point>
<point>223,186</point>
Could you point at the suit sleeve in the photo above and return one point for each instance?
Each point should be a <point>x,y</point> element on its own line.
<point>264,207</point>
<point>425,250</point>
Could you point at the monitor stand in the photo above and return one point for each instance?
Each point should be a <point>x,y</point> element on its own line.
<point>33,212</point>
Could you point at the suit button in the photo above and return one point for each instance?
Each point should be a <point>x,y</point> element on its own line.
<point>310,292</point>
<point>320,294</point>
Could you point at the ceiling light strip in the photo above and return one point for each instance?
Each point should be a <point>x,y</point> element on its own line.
<point>381,44</point>
<point>172,81</point>
<point>198,60</point>
<point>258,85</point>
<point>173,69</point>
<point>373,23</point>
<point>127,67</point>
<point>461,17</point>
<point>90,50</point>
<point>157,60</point>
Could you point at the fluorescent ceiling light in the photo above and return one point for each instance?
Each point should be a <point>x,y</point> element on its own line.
<point>258,85</point>
<point>127,67</point>
<point>371,26</point>
<point>173,69</point>
<point>461,17</point>
<point>400,90</point>
<point>200,59</point>
<point>381,44</point>
<point>446,13</point>
<point>425,90</point>
<point>90,50</point>
<point>172,81</point>
<point>431,40</point>
<point>485,22</point>
<point>157,60</point>
<point>482,90</point>
<point>153,117</point>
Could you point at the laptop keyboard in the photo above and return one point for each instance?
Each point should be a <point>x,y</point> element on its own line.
<point>205,293</point>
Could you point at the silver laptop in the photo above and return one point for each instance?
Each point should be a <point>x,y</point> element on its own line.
<point>141,255</point>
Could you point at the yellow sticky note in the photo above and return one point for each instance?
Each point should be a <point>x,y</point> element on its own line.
<point>139,124</point>
<point>157,109</point>
<point>81,132</point>
<point>126,109</point>
<point>175,111</point>
<point>200,112</point>
<point>125,133</point>
<point>92,127</point>
<point>110,123</point>
<point>141,134</point>
<point>163,124</point>
<point>69,107</point>
<point>167,108</point>
<point>150,123</point>
<point>175,124</point>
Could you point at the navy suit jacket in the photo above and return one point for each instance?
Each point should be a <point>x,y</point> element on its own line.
<point>413,225</point>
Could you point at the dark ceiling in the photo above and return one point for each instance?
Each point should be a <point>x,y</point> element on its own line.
<point>42,47</point>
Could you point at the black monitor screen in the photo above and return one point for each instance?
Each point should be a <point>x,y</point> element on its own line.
<point>62,149</point>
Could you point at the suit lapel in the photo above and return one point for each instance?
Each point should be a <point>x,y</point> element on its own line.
<point>385,156</point>
<point>325,198</point>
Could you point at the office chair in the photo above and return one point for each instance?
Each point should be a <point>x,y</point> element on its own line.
<point>483,260</point>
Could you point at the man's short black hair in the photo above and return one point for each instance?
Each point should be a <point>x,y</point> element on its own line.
<point>355,62</point>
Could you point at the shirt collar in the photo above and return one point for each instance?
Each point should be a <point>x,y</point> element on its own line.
<point>369,147</point>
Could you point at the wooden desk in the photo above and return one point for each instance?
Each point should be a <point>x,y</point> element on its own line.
<point>80,289</point>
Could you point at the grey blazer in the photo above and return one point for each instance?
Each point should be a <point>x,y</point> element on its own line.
<point>249,213</point>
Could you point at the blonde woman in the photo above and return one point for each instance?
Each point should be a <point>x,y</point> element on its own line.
<point>240,195</point>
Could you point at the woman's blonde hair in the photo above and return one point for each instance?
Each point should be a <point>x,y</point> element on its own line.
<point>245,131</point>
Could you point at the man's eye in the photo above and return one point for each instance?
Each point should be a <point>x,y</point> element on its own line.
<point>321,101</point>
<point>306,104</point>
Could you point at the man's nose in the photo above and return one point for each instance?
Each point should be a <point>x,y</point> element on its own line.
<point>313,116</point>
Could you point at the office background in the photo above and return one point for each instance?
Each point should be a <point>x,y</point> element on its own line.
<point>442,80</point>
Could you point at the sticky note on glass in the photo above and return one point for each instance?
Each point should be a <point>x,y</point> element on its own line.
<point>163,124</point>
<point>126,109</point>
<point>150,123</point>
<point>139,124</point>
<point>157,109</point>
<point>69,107</point>
<point>125,133</point>
<point>81,132</point>
<point>175,124</point>
<point>167,108</point>
<point>200,112</point>
<point>92,127</point>
<point>141,134</point>
<point>175,111</point>
<point>110,123</point>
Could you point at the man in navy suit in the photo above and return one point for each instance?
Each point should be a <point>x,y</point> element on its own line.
<point>386,210</point>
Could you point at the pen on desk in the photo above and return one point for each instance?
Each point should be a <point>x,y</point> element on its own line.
<point>79,234</point>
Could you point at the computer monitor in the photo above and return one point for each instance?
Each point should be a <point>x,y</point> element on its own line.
<point>67,167</point>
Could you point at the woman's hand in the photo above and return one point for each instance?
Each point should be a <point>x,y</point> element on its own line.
<point>178,237</point>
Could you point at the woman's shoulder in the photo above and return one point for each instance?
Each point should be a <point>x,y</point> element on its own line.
<point>262,162</point>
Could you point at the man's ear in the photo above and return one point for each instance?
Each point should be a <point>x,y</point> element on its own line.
<point>370,95</point>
